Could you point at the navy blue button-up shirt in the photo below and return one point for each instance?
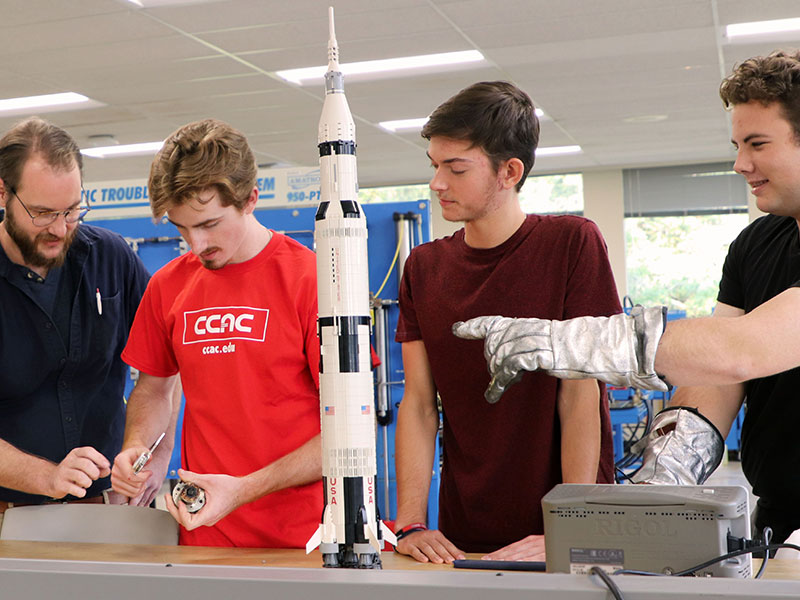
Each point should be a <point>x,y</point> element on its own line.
<point>56,396</point>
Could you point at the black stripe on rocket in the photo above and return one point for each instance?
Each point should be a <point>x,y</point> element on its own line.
<point>350,210</point>
<point>348,342</point>
<point>337,147</point>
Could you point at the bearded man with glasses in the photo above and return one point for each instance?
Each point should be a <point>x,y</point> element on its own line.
<point>68,295</point>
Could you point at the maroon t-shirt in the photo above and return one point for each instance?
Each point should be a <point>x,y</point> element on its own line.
<point>500,459</point>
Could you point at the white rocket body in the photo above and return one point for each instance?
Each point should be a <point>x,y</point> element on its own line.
<point>350,533</point>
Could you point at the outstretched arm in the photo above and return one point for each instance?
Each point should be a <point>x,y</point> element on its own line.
<point>718,403</point>
<point>733,347</point>
<point>637,351</point>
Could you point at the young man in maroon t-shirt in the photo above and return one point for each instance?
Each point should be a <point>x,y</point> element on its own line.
<point>499,459</point>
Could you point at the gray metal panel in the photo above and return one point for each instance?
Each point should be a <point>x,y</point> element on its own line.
<point>645,527</point>
<point>98,523</point>
<point>36,579</point>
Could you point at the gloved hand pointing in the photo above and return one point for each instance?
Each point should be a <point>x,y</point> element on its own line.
<point>619,350</point>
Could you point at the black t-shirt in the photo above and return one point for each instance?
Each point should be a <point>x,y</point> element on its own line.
<point>762,262</point>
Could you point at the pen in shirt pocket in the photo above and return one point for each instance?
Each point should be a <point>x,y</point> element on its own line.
<point>99,303</point>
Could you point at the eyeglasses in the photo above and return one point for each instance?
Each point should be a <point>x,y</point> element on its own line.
<point>43,219</point>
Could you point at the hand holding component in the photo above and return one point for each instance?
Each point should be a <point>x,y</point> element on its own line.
<point>619,350</point>
<point>145,456</point>
<point>139,485</point>
<point>223,495</point>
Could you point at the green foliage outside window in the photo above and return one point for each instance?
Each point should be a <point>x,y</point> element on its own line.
<point>553,194</point>
<point>677,261</point>
<point>396,193</point>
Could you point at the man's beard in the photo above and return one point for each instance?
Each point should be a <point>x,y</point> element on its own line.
<point>28,246</point>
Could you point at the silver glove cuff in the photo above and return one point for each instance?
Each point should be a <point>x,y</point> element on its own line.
<point>683,448</point>
<point>649,325</point>
<point>620,350</point>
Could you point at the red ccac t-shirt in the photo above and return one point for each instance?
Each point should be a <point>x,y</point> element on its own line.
<point>245,343</point>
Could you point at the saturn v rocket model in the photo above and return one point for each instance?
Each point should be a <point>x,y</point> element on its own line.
<point>351,531</point>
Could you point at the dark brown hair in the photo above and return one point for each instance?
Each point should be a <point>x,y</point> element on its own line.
<point>496,116</point>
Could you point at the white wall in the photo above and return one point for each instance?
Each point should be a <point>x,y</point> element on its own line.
<point>603,204</point>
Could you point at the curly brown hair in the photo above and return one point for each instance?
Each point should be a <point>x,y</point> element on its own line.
<point>767,79</point>
<point>198,156</point>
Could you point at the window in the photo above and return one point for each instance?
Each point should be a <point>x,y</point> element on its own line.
<point>679,223</point>
<point>677,261</point>
<point>553,194</point>
<point>395,193</point>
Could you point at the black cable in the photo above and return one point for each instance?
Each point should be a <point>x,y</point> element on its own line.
<point>630,458</point>
<point>767,535</point>
<point>624,475</point>
<point>612,587</point>
<point>708,563</point>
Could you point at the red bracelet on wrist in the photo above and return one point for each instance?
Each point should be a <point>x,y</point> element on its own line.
<point>409,529</point>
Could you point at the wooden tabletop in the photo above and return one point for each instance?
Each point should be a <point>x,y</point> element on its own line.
<point>252,557</point>
<point>199,555</point>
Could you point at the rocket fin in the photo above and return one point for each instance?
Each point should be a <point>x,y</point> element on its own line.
<point>388,534</point>
<point>369,533</point>
<point>315,540</point>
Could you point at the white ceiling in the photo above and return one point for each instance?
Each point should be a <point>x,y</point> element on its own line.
<point>598,68</point>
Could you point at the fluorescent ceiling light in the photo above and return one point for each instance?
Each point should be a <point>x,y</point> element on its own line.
<point>762,28</point>
<point>157,3</point>
<point>411,124</point>
<point>403,124</point>
<point>123,150</point>
<point>558,150</point>
<point>45,103</point>
<point>425,62</point>
<point>710,174</point>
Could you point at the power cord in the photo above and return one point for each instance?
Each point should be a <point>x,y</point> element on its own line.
<point>745,547</point>
<point>767,533</point>
<point>749,548</point>
<point>610,584</point>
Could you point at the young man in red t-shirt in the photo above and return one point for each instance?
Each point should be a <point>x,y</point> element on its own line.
<point>499,459</point>
<point>236,318</point>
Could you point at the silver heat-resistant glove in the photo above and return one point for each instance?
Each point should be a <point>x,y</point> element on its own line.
<point>619,350</point>
<point>683,448</point>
